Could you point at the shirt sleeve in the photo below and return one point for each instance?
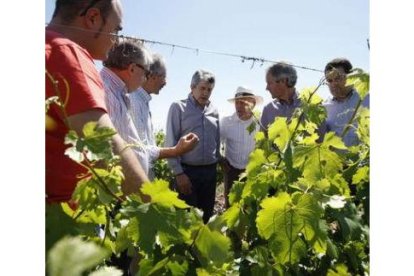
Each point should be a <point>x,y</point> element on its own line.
<point>218,139</point>
<point>264,119</point>
<point>153,152</point>
<point>80,85</point>
<point>173,132</point>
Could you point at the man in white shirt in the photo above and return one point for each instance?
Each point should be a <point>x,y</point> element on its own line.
<point>141,114</point>
<point>236,139</point>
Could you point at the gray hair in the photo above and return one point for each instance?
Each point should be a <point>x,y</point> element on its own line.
<point>126,52</point>
<point>202,75</point>
<point>157,65</point>
<point>282,70</point>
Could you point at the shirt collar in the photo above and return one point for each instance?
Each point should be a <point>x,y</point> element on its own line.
<point>295,99</point>
<point>350,94</point>
<point>143,94</point>
<point>195,103</point>
<point>115,82</point>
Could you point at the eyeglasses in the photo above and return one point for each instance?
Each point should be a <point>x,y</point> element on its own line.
<point>91,4</point>
<point>146,71</point>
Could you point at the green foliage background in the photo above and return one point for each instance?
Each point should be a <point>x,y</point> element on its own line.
<point>294,215</point>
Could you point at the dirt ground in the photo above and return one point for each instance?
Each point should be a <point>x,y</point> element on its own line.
<point>219,203</point>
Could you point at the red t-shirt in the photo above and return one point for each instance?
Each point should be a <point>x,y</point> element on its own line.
<point>66,60</point>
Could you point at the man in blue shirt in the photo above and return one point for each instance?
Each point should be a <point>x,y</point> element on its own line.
<point>343,102</point>
<point>196,171</point>
<point>280,82</point>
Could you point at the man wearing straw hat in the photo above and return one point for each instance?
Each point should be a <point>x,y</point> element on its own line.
<point>236,139</point>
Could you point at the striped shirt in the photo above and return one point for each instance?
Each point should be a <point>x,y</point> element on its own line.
<point>141,116</point>
<point>237,142</point>
<point>119,105</point>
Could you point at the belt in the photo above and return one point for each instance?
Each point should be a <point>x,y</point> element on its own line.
<point>207,165</point>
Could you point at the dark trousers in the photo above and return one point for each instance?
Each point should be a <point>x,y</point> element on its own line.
<point>231,174</point>
<point>203,180</point>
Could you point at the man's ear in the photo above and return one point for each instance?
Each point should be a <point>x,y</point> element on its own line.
<point>93,18</point>
<point>131,68</point>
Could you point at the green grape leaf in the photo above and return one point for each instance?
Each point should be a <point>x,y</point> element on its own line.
<point>145,266</point>
<point>256,160</point>
<point>74,154</point>
<point>73,256</point>
<point>258,187</point>
<point>312,108</point>
<point>92,131</point>
<point>58,224</point>
<point>160,193</point>
<point>349,222</point>
<point>363,125</point>
<point>362,175</point>
<point>331,140</point>
<point>338,270</point>
<point>360,80</point>
<point>127,235</point>
<point>107,271</point>
<point>236,192</point>
<point>158,267</point>
<point>97,141</point>
<point>282,221</point>
<point>331,249</point>
<point>85,194</point>
<point>202,272</point>
<point>178,269</point>
<point>259,255</point>
<point>170,226</point>
<point>231,215</point>
<point>259,136</point>
<point>76,151</point>
<point>286,251</point>
<point>320,160</point>
<point>252,127</point>
<point>305,96</point>
<point>279,133</point>
<point>213,245</point>
<point>272,215</point>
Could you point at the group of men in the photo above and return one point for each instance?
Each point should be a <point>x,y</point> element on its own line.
<point>118,97</point>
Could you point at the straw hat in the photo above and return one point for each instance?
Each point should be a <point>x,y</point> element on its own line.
<point>244,92</point>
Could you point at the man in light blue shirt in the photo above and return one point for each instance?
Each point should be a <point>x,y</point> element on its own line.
<point>343,102</point>
<point>141,114</point>
<point>196,171</point>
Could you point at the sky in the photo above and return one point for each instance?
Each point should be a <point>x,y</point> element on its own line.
<point>305,33</point>
<point>308,33</point>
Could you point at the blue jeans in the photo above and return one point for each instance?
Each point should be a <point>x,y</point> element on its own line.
<point>203,180</point>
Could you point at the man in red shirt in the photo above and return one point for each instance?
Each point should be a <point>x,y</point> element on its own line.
<point>79,32</point>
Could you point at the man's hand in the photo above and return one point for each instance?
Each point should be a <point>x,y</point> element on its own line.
<point>186,143</point>
<point>183,184</point>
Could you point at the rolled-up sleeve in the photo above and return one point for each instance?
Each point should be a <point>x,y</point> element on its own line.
<point>173,135</point>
